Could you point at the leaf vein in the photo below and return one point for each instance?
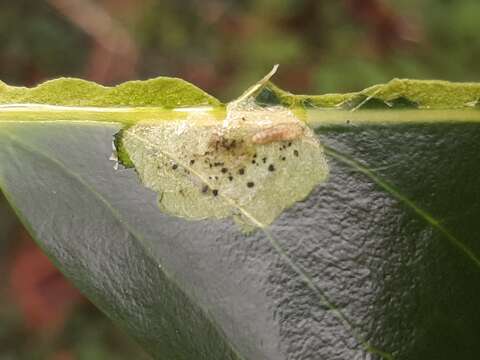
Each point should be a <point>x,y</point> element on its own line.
<point>426,216</point>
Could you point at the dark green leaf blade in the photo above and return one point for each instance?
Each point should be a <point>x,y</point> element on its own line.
<point>433,274</point>
<point>86,237</point>
<point>380,261</point>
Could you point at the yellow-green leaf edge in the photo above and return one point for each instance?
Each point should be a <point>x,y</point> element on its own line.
<point>161,92</point>
<point>168,93</point>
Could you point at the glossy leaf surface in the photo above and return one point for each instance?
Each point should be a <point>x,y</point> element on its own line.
<point>380,261</point>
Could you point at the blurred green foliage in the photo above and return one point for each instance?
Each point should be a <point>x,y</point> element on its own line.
<point>323,46</point>
<point>37,43</point>
<point>224,46</point>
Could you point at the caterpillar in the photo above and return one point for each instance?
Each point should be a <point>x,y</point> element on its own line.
<point>280,132</point>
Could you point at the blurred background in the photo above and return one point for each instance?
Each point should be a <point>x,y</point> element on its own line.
<point>222,47</point>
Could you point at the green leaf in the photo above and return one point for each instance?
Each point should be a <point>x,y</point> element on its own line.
<point>162,92</point>
<point>380,260</point>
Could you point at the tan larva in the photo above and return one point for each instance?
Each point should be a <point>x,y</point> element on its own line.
<point>280,132</point>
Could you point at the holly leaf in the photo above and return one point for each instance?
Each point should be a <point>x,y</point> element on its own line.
<point>356,237</point>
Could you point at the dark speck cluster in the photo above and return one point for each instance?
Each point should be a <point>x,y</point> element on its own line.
<point>221,149</point>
